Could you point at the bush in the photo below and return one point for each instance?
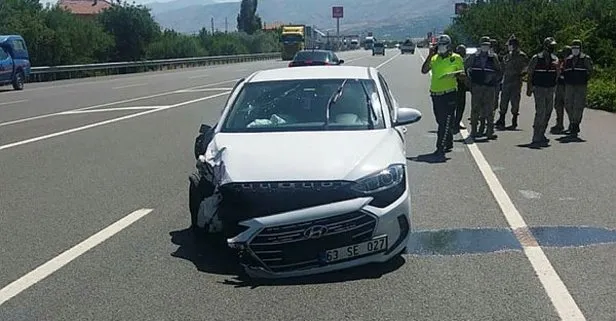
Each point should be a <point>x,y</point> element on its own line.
<point>602,91</point>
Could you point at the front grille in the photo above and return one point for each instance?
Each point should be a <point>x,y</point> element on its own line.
<point>286,247</point>
<point>243,201</point>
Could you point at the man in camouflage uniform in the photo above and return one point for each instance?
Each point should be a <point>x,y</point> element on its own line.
<point>577,70</point>
<point>515,64</point>
<point>482,69</point>
<point>559,97</point>
<point>543,73</point>
<point>499,87</point>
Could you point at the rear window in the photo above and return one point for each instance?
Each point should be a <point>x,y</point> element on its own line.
<point>311,55</point>
<point>378,45</point>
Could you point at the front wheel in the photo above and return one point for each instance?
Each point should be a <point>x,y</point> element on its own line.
<point>18,81</point>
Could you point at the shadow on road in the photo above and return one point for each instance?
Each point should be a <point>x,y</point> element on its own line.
<point>429,158</point>
<point>211,256</point>
<point>570,139</point>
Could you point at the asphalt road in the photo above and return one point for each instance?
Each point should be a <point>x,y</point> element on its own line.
<point>80,157</point>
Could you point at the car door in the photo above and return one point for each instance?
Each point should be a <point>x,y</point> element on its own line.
<point>6,66</point>
<point>392,105</point>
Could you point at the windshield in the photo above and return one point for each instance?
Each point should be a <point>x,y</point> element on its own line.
<point>292,38</point>
<point>301,105</point>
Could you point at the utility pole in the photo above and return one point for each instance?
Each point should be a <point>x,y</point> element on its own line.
<point>212,24</point>
<point>226,25</point>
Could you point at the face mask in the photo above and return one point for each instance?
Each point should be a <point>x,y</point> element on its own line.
<point>442,49</point>
<point>485,48</point>
<point>575,51</point>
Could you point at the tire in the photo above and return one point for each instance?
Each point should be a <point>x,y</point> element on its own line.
<point>18,81</point>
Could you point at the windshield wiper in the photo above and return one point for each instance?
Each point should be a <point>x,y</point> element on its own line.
<point>332,100</point>
<point>369,103</point>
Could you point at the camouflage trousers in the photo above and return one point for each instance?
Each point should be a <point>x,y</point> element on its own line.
<point>575,102</point>
<point>482,108</point>
<point>544,103</point>
<point>512,93</point>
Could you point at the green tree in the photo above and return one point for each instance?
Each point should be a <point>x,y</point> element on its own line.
<point>133,29</point>
<point>248,20</point>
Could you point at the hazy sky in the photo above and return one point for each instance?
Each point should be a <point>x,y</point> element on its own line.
<point>136,1</point>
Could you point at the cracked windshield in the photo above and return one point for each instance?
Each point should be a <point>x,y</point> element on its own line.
<point>307,160</point>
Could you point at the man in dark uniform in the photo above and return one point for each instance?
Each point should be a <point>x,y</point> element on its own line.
<point>461,99</point>
<point>577,71</point>
<point>446,67</point>
<point>482,68</point>
<point>559,97</point>
<point>515,64</point>
<point>543,73</point>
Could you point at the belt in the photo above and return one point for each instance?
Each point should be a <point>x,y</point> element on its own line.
<point>440,93</point>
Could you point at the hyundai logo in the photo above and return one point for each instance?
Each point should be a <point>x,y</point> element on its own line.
<point>315,232</point>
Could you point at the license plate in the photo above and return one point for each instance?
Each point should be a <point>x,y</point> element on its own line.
<point>375,245</point>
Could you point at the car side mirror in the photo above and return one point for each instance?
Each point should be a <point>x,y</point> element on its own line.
<point>407,116</point>
<point>341,61</point>
<point>204,128</point>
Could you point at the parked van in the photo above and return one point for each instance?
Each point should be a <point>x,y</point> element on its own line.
<point>14,61</point>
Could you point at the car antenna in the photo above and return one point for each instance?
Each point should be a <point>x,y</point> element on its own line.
<point>332,100</point>
<point>369,103</point>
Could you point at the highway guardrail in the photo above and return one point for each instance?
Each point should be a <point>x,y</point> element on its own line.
<point>51,73</point>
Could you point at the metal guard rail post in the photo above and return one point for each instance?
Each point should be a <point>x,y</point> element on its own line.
<point>48,73</point>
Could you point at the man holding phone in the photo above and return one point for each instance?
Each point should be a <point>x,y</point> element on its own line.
<point>446,67</point>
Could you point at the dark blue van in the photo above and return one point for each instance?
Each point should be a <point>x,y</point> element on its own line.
<point>14,61</point>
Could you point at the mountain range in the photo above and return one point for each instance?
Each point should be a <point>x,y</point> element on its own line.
<point>392,19</point>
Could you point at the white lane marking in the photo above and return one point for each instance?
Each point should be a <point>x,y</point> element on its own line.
<point>13,102</point>
<point>22,120</point>
<point>199,76</point>
<point>203,89</point>
<point>388,61</point>
<point>105,122</point>
<point>69,255</point>
<point>129,86</point>
<point>557,291</point>
<point>71,112</point>
<point>354,59</point>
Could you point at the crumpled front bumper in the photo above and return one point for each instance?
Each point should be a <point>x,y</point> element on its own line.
<point>393,221</point>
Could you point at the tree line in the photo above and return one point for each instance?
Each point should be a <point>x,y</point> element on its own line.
<point>592,21</point>
<point>124,32</point>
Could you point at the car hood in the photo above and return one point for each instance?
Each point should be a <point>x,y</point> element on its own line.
<point>306,156</point>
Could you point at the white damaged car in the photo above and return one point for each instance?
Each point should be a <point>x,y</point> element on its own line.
<point>305,172</point>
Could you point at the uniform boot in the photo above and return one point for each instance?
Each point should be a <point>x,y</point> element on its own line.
<point>514,123</point>
<point>575,129</point>
<point>500,123</point>
<point>557,129</point>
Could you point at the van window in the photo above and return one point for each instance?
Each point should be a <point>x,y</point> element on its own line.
<point>3,54</point>
<point>18,45</point>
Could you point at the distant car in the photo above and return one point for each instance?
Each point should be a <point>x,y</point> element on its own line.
<point>313,57</point>
<point>470,51</point>
<point>14,61</point>
<point>378,49</point>
<point>335,193</point>
<point>407,47</point>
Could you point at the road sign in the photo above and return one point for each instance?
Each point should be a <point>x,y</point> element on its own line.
<point>337,12</point>
<point>460,6</point>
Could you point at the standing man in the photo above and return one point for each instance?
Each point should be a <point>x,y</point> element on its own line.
<point>483,68</point>
<point>499,87</point>
<point>446,66</point>
<point>577,71</point>
<point>461,95</point>
<point>543,73</point>
<point>559,97</point>
<point>515,64</point>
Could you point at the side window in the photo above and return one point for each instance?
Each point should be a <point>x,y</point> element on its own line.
<point>388,99</point>
<point>3,54</point>
<point>18,45</point>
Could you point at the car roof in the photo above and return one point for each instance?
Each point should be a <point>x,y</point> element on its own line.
<point>312,72</point>
<point>4,38</point>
